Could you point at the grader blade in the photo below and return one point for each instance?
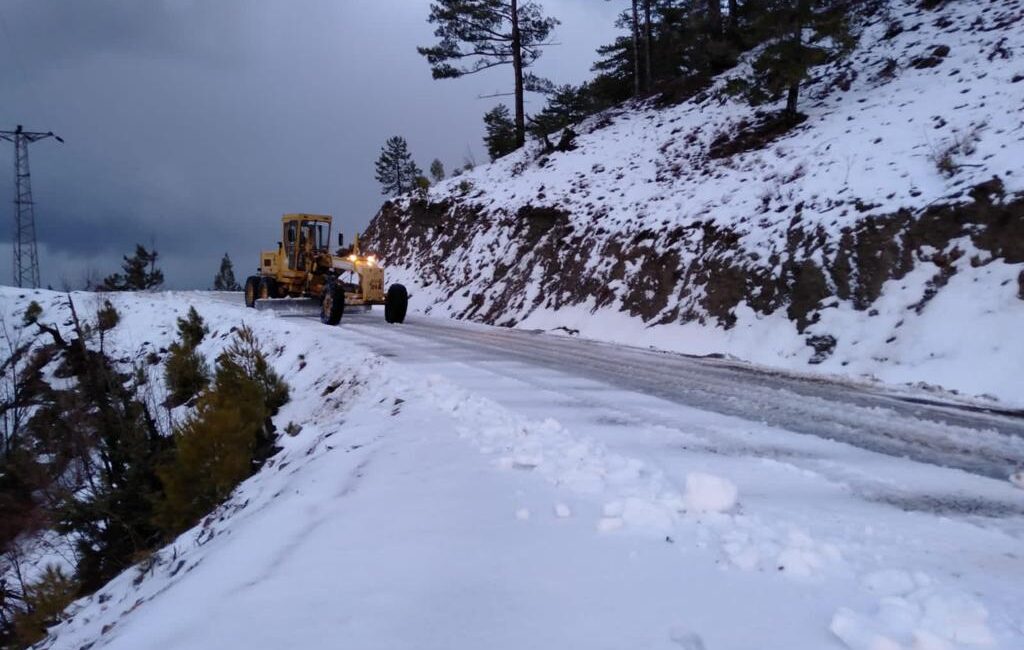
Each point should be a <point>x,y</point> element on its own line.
<point>290,306</point>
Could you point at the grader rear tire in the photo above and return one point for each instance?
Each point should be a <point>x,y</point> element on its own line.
<point>397,304</point>
<point>333,305</point>
<point>252,290</point>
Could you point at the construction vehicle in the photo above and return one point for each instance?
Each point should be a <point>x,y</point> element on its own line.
<point>304,271</point>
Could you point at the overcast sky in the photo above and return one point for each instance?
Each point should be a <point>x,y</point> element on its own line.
<point>194,124</point>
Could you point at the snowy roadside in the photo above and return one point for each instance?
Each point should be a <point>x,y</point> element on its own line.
<point>412,510</point>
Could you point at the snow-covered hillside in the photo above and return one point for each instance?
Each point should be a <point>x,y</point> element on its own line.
<point>434,505</point>
<point>883,236</point>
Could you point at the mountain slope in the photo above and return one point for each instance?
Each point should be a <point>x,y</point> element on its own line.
<point>867,239</point>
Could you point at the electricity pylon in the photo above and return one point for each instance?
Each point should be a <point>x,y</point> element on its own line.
<point>26,258</point>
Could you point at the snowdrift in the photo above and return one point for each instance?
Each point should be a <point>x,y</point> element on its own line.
<point>882,236</point>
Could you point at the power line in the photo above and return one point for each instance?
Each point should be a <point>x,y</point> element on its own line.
<point>26,256</point>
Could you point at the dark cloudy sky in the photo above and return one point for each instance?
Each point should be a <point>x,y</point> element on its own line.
<point>194,124</point>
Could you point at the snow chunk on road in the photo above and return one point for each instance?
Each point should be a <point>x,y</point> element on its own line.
<point>752,546</point>
<point>709,493</point>
<point>608,524</point>
<point>640,514</point>
<point>855,631</point>
<point>921,617</point>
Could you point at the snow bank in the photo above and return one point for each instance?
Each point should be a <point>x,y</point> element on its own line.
<point>913,613</point>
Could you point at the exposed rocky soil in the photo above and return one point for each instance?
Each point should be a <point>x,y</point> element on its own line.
<point>701,270</point>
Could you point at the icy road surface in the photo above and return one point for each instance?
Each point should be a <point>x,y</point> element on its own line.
<point>460,487</point>
<point>984,441</point>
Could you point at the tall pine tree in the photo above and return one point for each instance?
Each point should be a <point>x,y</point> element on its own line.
<point>225,278</point>
<point>476,35</point>
<point>639,39</point>
<point>396,170</point>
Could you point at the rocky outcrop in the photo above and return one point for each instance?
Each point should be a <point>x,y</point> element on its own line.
<point>540,257</point>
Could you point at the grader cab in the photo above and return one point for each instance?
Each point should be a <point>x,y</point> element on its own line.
<point>304,270</point>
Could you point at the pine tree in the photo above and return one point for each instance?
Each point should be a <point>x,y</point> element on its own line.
<point>225,278</point>
<point>635,29</point>
<point>642,75</point>
<point>476,35</point>
<point>648,74</point>
<point>714,17</point>
<point>185,372</point>
<point>101,422</point>
<point>567,105</point>
<point>437,170</point>
<point>140,273</point>
<point>44,602</point>
<point>683,43</point>
<point>396,170</point>
<point>801,34</point>
<point>500,136</point>
<point>227,439</point>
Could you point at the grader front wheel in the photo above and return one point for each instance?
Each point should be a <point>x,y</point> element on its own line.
<point>333,305</point>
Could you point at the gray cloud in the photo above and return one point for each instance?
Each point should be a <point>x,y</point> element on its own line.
<point>196,124</point>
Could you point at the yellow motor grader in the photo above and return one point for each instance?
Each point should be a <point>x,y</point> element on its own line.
<point>304,268</point>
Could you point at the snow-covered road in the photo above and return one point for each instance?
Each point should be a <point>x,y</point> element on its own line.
<point>457,486</point>
<point>905,456</point>
<point>986,441</point>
